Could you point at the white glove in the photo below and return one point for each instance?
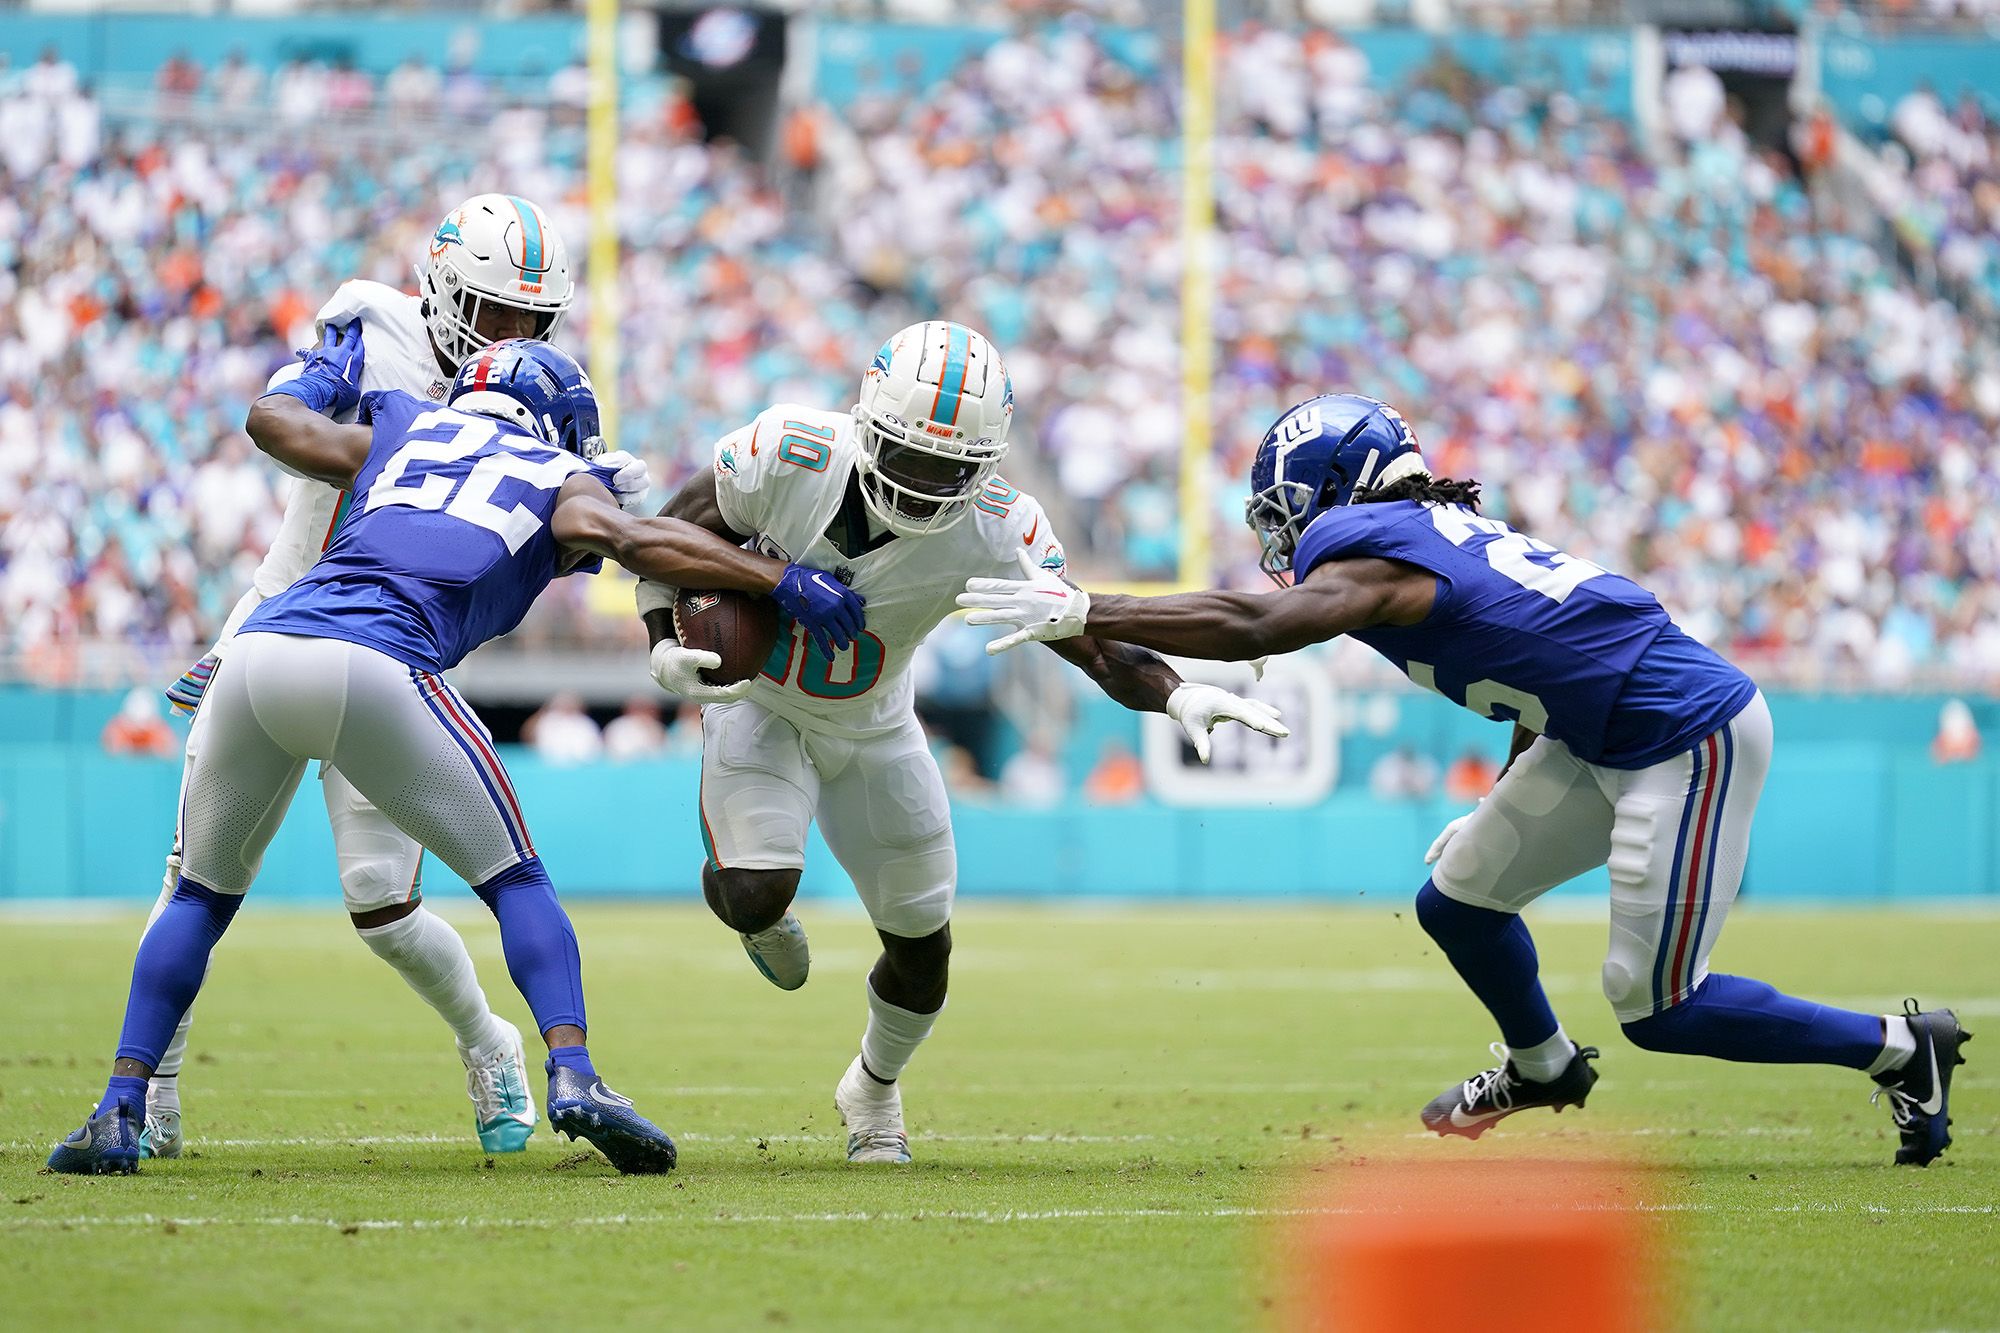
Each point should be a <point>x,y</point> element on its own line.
<point>1257,665</point>
<point>1445,835</point>
<point>678,669</point>
<point>630,479</point>
<point>1199,707</point>
<point>1039,606</point>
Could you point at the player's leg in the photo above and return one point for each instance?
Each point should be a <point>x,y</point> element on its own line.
<point>757,796</point>
<point>1683,829</point>
<point>163,1136</point>
<point>1546,821</point>
<point>414,748</point>
<point>886,818</point>
<point>233,799</point>
<point>380,872</point>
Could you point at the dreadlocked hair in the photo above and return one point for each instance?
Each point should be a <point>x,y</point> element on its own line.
<point>1424,489</point>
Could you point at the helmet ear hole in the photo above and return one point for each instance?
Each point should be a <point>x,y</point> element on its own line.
<point>1329,490</point>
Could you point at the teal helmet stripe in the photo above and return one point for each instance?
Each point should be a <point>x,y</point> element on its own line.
<point>958,345</point>
<point>531,239</point>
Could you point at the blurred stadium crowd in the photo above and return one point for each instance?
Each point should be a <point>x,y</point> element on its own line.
<point>1695,364</point>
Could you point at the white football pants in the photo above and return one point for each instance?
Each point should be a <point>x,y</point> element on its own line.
<point>403,738</point>
<point>1674,835</point>
<point>880,802</point>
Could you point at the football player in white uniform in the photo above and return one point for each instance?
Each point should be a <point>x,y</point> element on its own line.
<point>496,268</point>
<point>899,498</point>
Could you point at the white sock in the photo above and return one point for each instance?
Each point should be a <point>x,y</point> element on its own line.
<point>892,1037</point>
<point>1898,1045</point>
<point>176,1052</point>
<point>432,958</point>
<point>1543,1062</point>
<point>163,1094</point>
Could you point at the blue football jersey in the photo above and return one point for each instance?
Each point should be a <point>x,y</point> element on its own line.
<point>1523,631</point>
<point>445,542</point>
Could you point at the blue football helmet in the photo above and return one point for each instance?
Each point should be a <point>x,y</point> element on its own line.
<point>1315,458</point>
<point>532,384</point>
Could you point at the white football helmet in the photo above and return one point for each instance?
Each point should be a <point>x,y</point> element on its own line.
<point>499,248</point>
<point>934,411</point>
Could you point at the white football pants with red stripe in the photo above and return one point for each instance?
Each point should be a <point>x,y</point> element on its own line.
<point>1674,836</point>
<point>402,737</point>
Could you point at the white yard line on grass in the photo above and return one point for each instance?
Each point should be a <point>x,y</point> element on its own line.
<point>980,1216</point>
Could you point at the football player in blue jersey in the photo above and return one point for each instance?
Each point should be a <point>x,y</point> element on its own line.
<point>463,514</point>
<point>1634,747</point>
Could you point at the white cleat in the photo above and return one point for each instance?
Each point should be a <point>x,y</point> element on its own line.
<point>497,1081</point>
<point>781,952</point>
<point>873,1115</point>
<point>162,1135</point>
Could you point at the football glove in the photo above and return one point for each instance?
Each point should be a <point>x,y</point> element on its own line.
<point>1445,835</point>
<point>330,379</point>
<point>1039,606</point>
<point>678,671</point>
<point>630,479</point>
<point>1198,708</point>
<point>185,694</point>
<point>828,608</point>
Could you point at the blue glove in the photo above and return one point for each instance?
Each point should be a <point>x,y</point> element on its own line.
<point>331,378</point>
<point>828,608</point>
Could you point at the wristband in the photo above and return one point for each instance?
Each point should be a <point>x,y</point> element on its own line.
<point>652,597</point>
<point>320,392</point>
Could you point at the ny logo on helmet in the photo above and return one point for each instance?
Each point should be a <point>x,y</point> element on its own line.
<point>1300,426</point>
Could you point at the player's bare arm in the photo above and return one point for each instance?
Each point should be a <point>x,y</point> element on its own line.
<point>1134,677</point>
<point>306,442</point>
<point>290,421</point>
<point>694,503</point>
<point>1338,597</point>
<point>667,550</point>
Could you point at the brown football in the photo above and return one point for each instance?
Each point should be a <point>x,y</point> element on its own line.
<point>736,627</point>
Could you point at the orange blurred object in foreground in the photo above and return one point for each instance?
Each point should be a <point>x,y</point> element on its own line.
<point>1495,1245</point>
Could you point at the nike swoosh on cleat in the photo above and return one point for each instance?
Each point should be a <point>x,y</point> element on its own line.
<point>1935,1102</point>
<point>604,1096</point>
<point>1461,1120</point>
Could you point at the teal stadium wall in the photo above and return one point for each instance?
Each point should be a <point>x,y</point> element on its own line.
<point>1855,810</point>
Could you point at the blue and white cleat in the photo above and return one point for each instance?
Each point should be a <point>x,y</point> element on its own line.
<point>781,952</point>
<point>106,1145</point>
<point>503,1110</point>
<point>162,1135</point>
<point>586,1109</point>
<point>873,1114</point>
<point>1920,1092</point>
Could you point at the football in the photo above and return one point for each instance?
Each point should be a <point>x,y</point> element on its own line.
<point>736,627</point>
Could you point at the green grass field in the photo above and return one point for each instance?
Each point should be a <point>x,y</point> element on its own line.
<point>1116,1112</point>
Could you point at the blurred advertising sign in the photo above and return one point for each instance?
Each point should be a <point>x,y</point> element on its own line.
<point>1247,768</point>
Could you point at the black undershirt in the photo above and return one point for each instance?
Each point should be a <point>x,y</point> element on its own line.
<point>849,531</point>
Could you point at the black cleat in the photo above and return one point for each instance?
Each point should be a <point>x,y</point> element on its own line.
<point>1920,1092</point>
<point>1490,1096</point>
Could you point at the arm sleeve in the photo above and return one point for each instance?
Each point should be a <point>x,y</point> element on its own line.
<point>302,534</point>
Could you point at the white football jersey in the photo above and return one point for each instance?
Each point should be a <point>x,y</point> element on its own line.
<point>782,480</point>
<point>397,355</point>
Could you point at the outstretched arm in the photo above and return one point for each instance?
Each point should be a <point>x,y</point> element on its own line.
<point>1134,677</point>
<point>1145,684</point>
<point>693,503</point>
<point>1338,597</point>
<point>305,442</point>
<point>665,549</point>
